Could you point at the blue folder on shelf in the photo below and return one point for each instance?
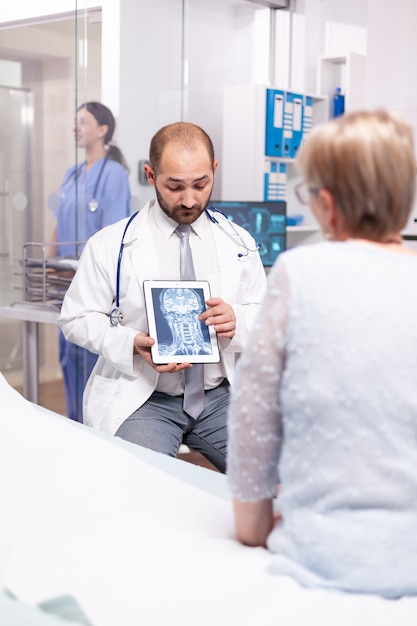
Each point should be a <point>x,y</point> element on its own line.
<point>288,125</point>
<point>307,115</point>
<point>275,181</point>
<point>297,123</point>
<point>275,101</point>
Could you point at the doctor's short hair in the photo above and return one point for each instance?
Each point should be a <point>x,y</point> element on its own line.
<point>183,133</point>
<point>366,160</point>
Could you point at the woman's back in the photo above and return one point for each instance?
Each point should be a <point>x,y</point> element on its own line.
<point>349,406</point>
<point>325,396</point>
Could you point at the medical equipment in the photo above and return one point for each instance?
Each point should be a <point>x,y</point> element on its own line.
<point>265,220</point>
<point>116,314</point>
<point>45,279</point>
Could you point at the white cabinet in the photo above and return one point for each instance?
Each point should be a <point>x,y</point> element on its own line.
<point>244,162</point>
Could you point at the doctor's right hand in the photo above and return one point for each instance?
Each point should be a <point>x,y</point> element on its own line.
<point>142,346</point>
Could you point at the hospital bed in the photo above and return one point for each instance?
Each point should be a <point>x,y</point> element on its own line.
<point>95,531</point>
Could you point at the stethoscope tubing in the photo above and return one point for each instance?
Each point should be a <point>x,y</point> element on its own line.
<point>119,259</point>
<point>234,235</point>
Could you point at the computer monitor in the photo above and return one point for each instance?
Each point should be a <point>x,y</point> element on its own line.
<point>266,221</point>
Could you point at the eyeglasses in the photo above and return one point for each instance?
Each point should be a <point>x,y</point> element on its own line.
<point>303,192</point>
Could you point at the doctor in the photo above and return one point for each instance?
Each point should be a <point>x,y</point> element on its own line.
<point>127,394</point>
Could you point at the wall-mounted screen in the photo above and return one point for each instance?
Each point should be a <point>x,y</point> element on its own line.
<point>266,221</point>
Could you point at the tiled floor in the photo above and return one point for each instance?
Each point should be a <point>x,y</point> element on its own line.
<point>51,396</point>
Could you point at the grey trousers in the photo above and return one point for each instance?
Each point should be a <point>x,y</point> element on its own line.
<point>161,425</point>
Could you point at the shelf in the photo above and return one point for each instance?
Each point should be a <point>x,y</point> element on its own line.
<point>335,60</point>
<point>306,228</point>
<point>348,73</point>
<point>280,159</point>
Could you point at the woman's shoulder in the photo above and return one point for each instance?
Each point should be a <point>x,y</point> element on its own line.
<point>345,260</point>
<point>327,251</point>
<point>308,262</point>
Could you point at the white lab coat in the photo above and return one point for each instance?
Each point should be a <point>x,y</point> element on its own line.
<point>122,381</point>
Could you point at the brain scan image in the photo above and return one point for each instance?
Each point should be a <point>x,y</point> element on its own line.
<point>180,308</point>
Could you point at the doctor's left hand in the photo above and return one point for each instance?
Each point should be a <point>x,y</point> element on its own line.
<point>220,315</point>
<point>142,346</point>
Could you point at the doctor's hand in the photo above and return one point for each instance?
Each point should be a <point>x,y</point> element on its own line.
<point>142,346</point>
<point>220,315</point>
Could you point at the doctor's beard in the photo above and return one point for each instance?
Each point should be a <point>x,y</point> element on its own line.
<point>180,213</point>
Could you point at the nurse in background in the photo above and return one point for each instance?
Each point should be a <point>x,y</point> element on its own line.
<point>93,194</point>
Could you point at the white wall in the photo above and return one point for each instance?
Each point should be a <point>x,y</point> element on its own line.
<point>238,55</point>
<point>350,12</point>
<point>331,27</point>
<point>392,47</point>
<point>147,88</point>
<point>141,73</point>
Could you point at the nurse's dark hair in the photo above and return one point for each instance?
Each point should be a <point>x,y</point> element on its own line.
<point>183,133</point>
<point>104,116</point>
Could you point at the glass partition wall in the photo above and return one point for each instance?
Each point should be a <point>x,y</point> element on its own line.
<point>16,135</point>
<point>48,65</point>
<point>152,64</point>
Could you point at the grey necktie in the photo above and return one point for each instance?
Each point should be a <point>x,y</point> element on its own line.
<point>194,377</point>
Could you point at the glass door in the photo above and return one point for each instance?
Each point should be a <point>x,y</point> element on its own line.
<point>45,73</point>
<point>16,126</point>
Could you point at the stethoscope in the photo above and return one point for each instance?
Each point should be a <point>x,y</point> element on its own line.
<point>116,314</point>
<point>232,233</point>
<point>93,204</point>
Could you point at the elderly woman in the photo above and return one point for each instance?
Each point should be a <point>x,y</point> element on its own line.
<point>325,400</point>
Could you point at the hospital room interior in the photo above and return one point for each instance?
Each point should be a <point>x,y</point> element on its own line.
<point>231,67</point>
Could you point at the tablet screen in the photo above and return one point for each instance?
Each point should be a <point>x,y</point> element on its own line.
<point>172,308</point>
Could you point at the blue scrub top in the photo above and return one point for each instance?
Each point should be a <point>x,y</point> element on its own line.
<point>75,221</point>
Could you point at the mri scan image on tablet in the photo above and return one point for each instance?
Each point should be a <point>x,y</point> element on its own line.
<point>172,309</point>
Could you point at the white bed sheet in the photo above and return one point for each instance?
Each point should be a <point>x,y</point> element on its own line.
<point>85,517</point>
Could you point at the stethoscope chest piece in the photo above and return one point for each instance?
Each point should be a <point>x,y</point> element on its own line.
<point>116,317</point>
<point>93,205</point>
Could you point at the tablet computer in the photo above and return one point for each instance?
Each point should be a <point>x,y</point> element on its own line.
<point>172,308</point>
